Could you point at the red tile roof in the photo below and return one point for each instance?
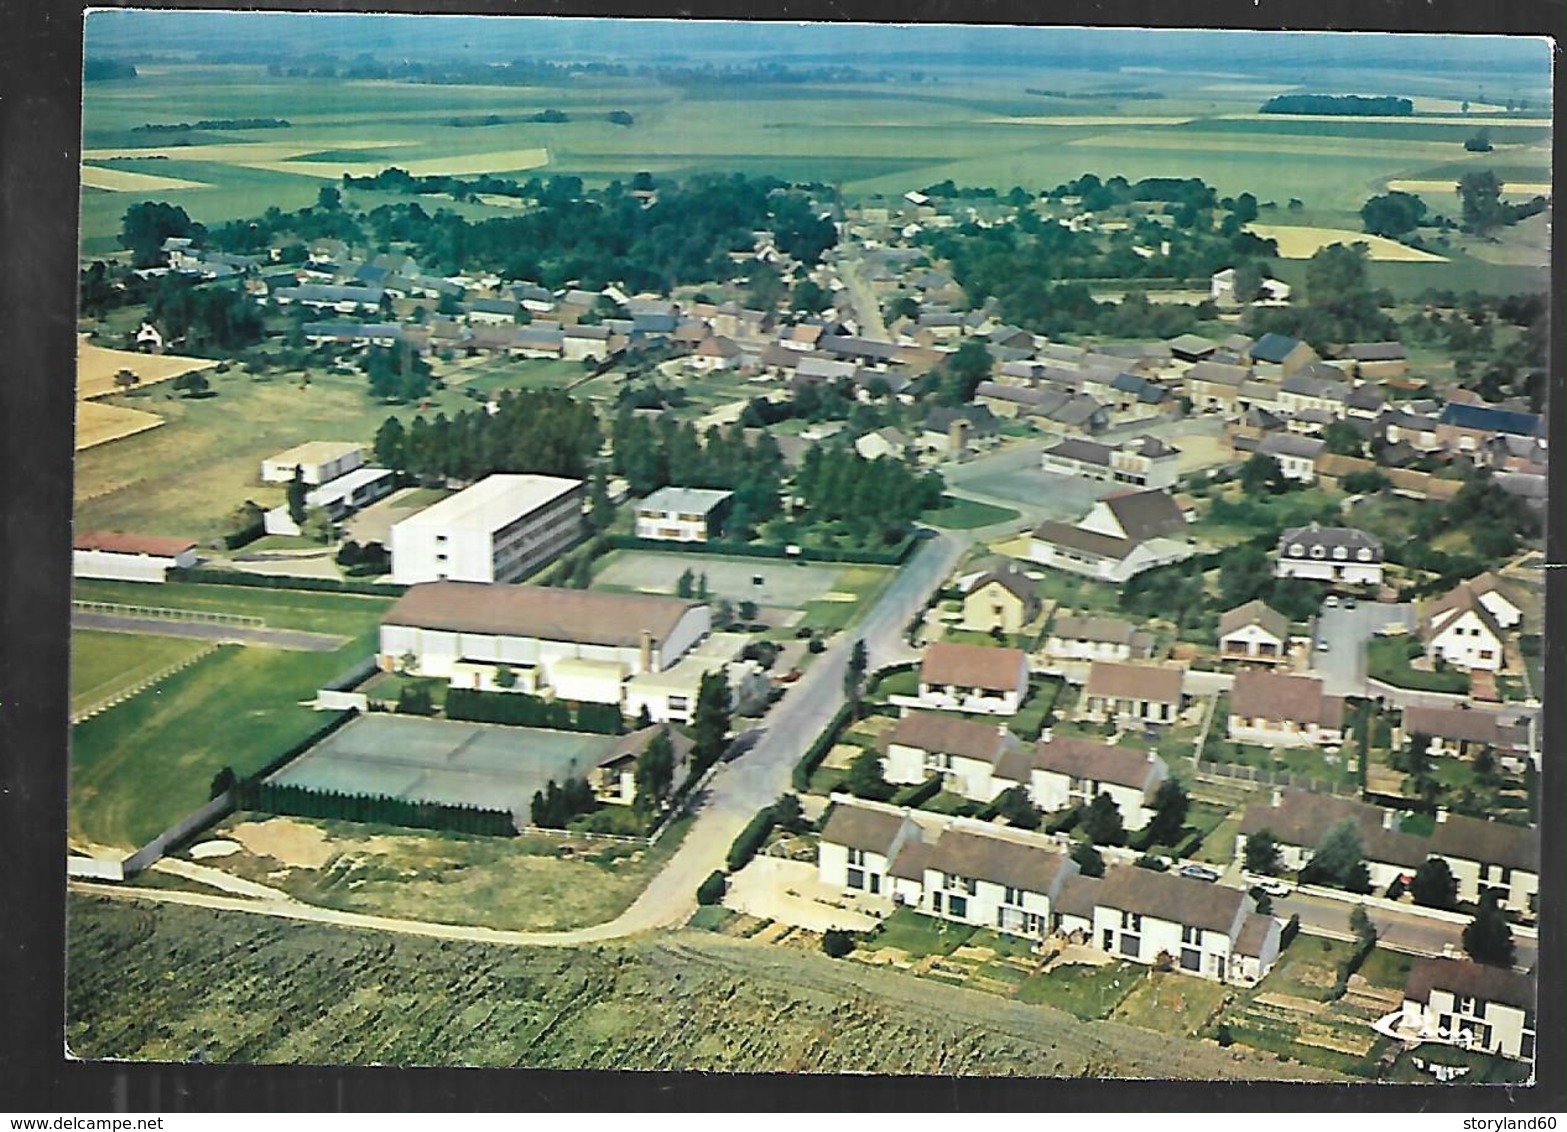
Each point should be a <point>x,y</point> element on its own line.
<point>114,543</point>
<point>974,666</point>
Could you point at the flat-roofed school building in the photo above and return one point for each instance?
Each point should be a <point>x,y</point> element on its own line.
<point>502,529</point>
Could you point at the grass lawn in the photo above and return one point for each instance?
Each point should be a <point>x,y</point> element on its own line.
<point>902,683</point>
<point>1078,595</point>
<point>866,583</point>
<point>1384,968</point>
<point>528,883</point>
<point>957,514</point>
<point>140,767</point>
<point>1088,992</point>
<point>918,934</point>
<point>347,615</point>
<point>1172,1003</point>
<point>1218,847</point>
<point>1484,1068</point>
<point>1005,946</point>
<point>1307,968</point>
<point>1387,659</point>
<point>105,664</point>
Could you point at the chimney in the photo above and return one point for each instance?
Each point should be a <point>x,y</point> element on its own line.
<point>647,650</point>
<point>1277,799</point>
<point>1441,814</point>
<point>957,436</point>
<point>1387,819</point>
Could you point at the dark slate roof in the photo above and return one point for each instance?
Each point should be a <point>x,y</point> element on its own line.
<point>1487,419</point>
<point>1102,762</point>
<point>1086,542</point>
<point>1333,388</point>
<point>1166,896</point>
<point>1192,346</point>
<point>1470,979</point>
<point>1105,630</point>
<point>1289,444</point>
<point>1376,351</point>
<point>1083,451</point>
<point>1078,896</point>
<point>982,422</point>
<point>864,348</point>
<point>1273,348</point>
<point>1078,409</point>
<point>1000,860</point>
<point>952,735</point>
<point>1013,581</point>
<point>1330,537</point>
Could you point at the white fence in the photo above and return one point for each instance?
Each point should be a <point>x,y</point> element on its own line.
<point>158,613</point>
<point>328,699</point>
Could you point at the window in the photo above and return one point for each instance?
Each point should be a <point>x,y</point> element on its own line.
<point>1131,945</point>
<point>1340,553</point>
<point>1191,959</point>
<point>1131,921</point>
<point>1463,1004</point>
<point>1364,554</point>
<point>1192,936</point>
<point>1296,550</point>
<point>1014,896</point>
<point>856,878</point>
<point>1318,551</point>
<point>957,906</point>
<point>857,857</point>
<point>1108,941</point>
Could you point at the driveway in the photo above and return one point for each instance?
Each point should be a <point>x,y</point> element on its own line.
<point>772,888</point>
<point>1347,631</point>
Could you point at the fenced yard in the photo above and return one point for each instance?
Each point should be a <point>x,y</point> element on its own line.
<point>441,761</point>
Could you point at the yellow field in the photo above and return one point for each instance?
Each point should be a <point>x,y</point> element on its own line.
<point>1085,120</point>
<point>1303,243</point>
<point>124,181</point>
<point>1509,189</point>
<point>457,165</point>
<point>96,367</point>
<point>98,423</point>
<point>1194,142</point>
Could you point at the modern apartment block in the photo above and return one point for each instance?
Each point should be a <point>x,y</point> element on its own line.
<point>502,529</point>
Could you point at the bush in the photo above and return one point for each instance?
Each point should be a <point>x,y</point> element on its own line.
<point>1155,864</point>
<point>838,942</point>
<point>1290,931</point>
<point>750,839</point>
<point>415,699</point>
<point>916,796</point>
<point>712,890</point>
<point>1224,1037</point>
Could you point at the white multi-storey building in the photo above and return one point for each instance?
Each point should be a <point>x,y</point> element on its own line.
<point>502,529</point>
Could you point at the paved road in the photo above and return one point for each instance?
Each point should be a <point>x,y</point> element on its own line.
<point>1347,632</point>
<point>867,312</point>
<point>292,639</point>
<point>1405,930</point>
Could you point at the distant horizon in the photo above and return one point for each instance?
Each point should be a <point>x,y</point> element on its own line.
<point>1246,52</point>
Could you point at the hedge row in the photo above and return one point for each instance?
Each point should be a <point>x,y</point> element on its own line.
<point>751,839</point>
<point>302,746</point>
<point>817,751</point>
<point>301,801</point>
<point>915,796</point>
<point>519,709</point>
<point>890,557</point>
<point>216,575</point>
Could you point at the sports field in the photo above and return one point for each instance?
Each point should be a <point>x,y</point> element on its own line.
<point>435,760</point>
<point>784,585</point>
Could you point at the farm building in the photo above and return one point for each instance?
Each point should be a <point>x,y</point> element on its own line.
<point>502,529</point>
<point>318,461</point>
<point>129,558</point>
<point>682,514</point>
<point>581,644</point>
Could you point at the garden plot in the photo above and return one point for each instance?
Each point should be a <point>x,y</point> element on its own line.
<point>429,760</point>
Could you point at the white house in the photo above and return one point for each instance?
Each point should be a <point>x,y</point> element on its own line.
<point>129,558</point>
<point>682,514</point>
<point>1298,821</point>
<point>1144,462</point>
<point>1296,455</point>
<point>1255,632</point>
<point>1065,771</point>
<point>502,529</point>
<point>1097,638</point>
<point>581,644</point>
<point>1330,554</point>
<point>1463,1003</point>
<point>1484,588</point>
<point>1132,694</point>
<point>341,497</point>
<point>963,753</point>
<point>1464,731</point>
<point>1120,537</point>
<point>1273,709</point>
<point>670,695</point>
<point>614,778</point>
<point>1465,635</point>
<point>1200,928</point>
<point>973,678</point>
<point>318,461</point>
<point>585,343</point>
<point>956,869</point>
<point>1490,856</point>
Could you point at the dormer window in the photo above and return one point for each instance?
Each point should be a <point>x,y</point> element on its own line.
<point>1364,554</point>
<point>1340,553</point>
<point>1318,552</point>
<point>1296,550</point>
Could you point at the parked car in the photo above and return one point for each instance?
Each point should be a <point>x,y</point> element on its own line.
<point>1331,601</point>
<point>1350,603</point>
<point>1199,872</point>
<point>1274,887</point>
<point>1323,645</point>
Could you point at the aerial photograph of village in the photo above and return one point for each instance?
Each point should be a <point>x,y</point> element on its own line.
<point>761,548</point>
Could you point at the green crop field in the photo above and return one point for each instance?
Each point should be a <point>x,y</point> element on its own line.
<point>105,664</point>
<point>140,767</point>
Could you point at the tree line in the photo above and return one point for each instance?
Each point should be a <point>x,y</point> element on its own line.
<point>304,802</point>
<point>1342,105</point>
<point>651,455</point>
<point>520,709</point>
<point>546,432</point>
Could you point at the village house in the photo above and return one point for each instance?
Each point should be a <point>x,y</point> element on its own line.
<point>883,442</point>
<point>1377,361</point>
<point>1216,385</point>
<point>1463,732</point>
<point>1296,455</point>
<point>1460,630</point>
<point>1065,771</point>
<point>1132,695</point>
<point>1121,536</point>
<point>1463,1003</point>
<point>1467,428</point>
<point>669,695</point>
<point>614,778</point>
<point>1146,462</point>
<point>1254,632</point>
<point>1299,820</point>
<point>586,343</point>
<point>973,678</point>
<point>1000,600</point>
<point>1278,355</point>
<point>963,753</point>
<point>1317,386</point>
<point>1484,589</point>
<point>1097,638</point>
<point>1272,709</point>
<point>682,514</point>
<point>1341,555</point>
<point>1490,857</point>
<point>1208,930</point>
